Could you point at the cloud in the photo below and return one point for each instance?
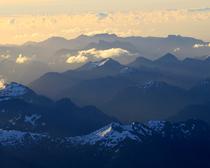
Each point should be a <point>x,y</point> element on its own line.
<point>207,9</point>
<point>94,54</point>
<point>76,59</point>
<point>176,49</point>
<point>4,56</point>
<point>130,23</point>
<point>22,59</point>
<point>201,45</point>
<point>102,15</point>
<point>113,52</point>
<point>2,84</point>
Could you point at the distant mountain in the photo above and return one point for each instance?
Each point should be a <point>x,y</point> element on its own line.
<point>201,91</point>
<point>69,79</point>
<point>167,60</point>
<point>196,111</point>
<point>116,88</point>
<point>184,73</point>
<point>22,73</point>
<point>103,45</point>
<point>152,100</point>
<point>199,107</point>
<point>51,54</point>
<point>22,109</point>
<point>105,64</point>
<point>115,145</point>
<point>141,62</point>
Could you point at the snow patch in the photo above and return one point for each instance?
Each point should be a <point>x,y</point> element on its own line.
<point>12,137</point>
<point>32,119</point>
<point>157,126</point>
<point>12,90</point>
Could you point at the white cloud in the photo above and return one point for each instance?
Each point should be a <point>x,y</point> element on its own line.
<point>201,45</point>
<point>76,59</point>
<point>22,59</point>
<point>176,49</point>
<point>113,52</point>
<point>2,84</point>
<point>94,54</point>
<point>4,56</point>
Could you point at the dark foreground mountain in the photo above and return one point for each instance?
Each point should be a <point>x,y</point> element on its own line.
<point>196,111</point>
<point>152,100</point>
<point>154,144</point>
<point>22,109</point>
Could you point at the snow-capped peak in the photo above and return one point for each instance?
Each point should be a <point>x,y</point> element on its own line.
<point>103,62</point>
<point>153,84</point>
<point>113,135</point>
<point>156,125</point>
<point>12,90</point>
<point>13,137</point>
<point>97,64</point>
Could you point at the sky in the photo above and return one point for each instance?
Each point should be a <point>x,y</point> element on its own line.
<point>36,20</point>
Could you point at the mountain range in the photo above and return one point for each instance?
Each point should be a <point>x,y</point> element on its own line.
<point>22,109</point>
<point>38,58</point>
<point>155,143</point>
<point>140,91</point>
<point>36,131</point>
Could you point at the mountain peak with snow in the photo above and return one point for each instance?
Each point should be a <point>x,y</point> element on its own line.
<point>154,84</point>
<point>108,62</point>
<point>116,135</point>
<point>13,90</point>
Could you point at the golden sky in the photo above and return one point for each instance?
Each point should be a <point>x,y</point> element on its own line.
<point>35,20</point>
<point>31,6</point>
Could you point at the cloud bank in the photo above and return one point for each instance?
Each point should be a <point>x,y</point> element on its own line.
<point>22,28</point>
<point>94,54</point>
<point>201,45</point>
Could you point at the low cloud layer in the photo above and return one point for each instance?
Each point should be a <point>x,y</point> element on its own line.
<point>94,54</point>
<point>201,45</point>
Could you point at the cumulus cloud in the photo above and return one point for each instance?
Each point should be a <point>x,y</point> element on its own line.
<point>76,59</point>
<point>22,59</point>
<point>177,49</point>
<point>201,45</point>
<point>113,52</point>
<point>94,54</point>
<point>2,84</point>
